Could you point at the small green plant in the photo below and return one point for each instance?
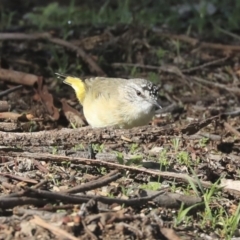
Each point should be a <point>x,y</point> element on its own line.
<point>176,143</point>
<point>151,186</point>
<point>134,72</point>
<point>120,157</point>
<point>66,164</point>
<point>183,158</point>
<point>53,15</point>
<point>102,170</point>
<point>161,53</point>
<point>163,159</point>
<point>202,18</point>
<point>73,125</point>
<point>217,217</point>
<point>209,216</point>
<point>61,60</point>
<point>126,190</point>
<point>79,147</point>
<point>214,216</point>
<point>54,180</point>
<point>136,160</point>
<point>99,148</point>
<point>153,77</point>
<point>230,223</point>
<point>110,195</point>
<point>177,46</point>
<point>6,19</point>
<point>122,13</point>
<point>203,142</point>
<point>173,187</point>
<point>54,150</point>
<point>32,126</point>
<point>134,147</point>
<point>182,215</point>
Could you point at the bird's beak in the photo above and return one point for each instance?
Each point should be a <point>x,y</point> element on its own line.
<point>156,103</point>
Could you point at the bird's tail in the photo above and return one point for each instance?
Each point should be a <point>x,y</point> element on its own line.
<point>76,83</point>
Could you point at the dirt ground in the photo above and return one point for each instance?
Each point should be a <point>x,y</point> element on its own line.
<point>176,178</point>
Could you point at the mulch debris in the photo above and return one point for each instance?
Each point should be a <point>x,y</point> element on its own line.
<point>61,179</point>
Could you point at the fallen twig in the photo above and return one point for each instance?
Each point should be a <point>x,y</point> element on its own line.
<point>94,68</point>
<point>172,200</point>
<point>68,137</point>
<point>112,176</point>
<point>78,199</point>
<point>196,42</point>
<point>170,69</point>
<point>13,89</point>
<point>232,129</point>
<point>208,64</point>
<point>19,178</point>
<point>40,184</point>
<point>232,113</point>
<point>95,162</point>
<point>55,230</point>
<point>217,85</point>
<point>88,232</point>
<point>165,68</point>
<point>72,137</point>
<point>10,202</point>
<point>18,77</point>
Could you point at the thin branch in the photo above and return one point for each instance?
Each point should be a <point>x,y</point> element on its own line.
<point>232,129</point>
<point>94,68</point>
<point>95,162</point>
<point>103,181</point>
<point>55,230</point>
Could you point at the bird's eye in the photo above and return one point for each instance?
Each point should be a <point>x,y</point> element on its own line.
<point>138,93</point>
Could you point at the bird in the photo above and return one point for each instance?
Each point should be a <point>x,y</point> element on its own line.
<point>115,102</point>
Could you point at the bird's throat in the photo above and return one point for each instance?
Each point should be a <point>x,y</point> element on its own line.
<point>79,87</point>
